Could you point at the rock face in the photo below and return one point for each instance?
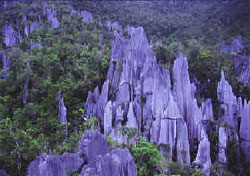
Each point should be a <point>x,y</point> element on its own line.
<point>26,84</point>
<point>228,101</point>
<point>92,159</point>
<point>92,144</point>
<point>138,94</point>
<point>184,93</point>
<point>235,47</point>
<point>242,66</point>
<point>207,109</point>
<point>235,112</point>
<point>51,17</point>
<point>103,162</point>
<point>3,173</point>
<point>244,130</point>
<point>119,162</point>
<point>11,37</point>
<point>113,26</point>
<point>222,145</point>
<point>203,159</point>
<point>245,71</point>
<point>30,28</point>
<point>6,63</point>
<point>62,111</point>
<point>45,165</point>
<point>86,16</point>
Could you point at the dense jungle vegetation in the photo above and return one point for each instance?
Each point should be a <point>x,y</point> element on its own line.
<point>75,58</point>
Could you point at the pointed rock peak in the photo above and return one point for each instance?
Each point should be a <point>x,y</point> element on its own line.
<point>86,16</point>
<point>224,90</point>
<point>62,111</point>
<point>222,76</point>
<point>179,50</point>
<point>96,92</point>
<point>172,111</point>
<point>181,62</point>
<point>138,38</point>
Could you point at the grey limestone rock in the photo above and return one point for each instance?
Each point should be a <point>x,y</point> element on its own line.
<point>184,93</point>
<point>11,37</point>
<point>62,111</point>
<point>236,46</point>
<point>228,101</point>
<point>222,145</point>
<point>3,173</point>
<point>132,122</point>
<point>35,45</point>
<point>108,118</point>
<point>45,165</point>
<point>245,71</point>
<point>6,63</point>
<point>203,159</point>
<point>244,130</point>
<point>118,162</point>
<point>102,161</point>
<point>92,144</point>
<point>51,17</point>
<point>86,16</point>
<point>207,109</point>
<point>26,84</point>
<point>182,144</point>
<point>30,28</point>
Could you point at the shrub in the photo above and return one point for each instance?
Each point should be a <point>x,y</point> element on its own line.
<point>147,158</point>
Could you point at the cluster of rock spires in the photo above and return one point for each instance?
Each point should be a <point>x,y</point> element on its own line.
<point>236,115</point>
<point>92,159</point>
<point>242,65</point>
<point>138,94</point>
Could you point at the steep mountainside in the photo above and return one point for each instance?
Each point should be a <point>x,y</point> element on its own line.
<point>160,88</point>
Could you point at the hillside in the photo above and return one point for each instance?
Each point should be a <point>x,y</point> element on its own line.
<point>166,83</point>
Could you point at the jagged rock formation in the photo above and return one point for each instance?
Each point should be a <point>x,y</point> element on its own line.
<point>113,26</point>
<point>184,93</point>
<point>11,37</point>
<point>102,161</point>
<point>222,145</point>
<point>228,100</point>
<point>26,84</point>
<point>35,45</point>
<point>236,113</point>
<point>45,165</point>
<point>207,110</point>
<point>236,46</point>
<point>244,130</point>
<point>5,64</point>
<point>62,111</point>
<point>3,173</point>
<point>92,159</point>
<point>30,28</point>
<point>138,94</point>
<point>245,71</point>
<point>86,16</point>
<point>50,14</point>
<point>203,159</point>
<point>242,66</point>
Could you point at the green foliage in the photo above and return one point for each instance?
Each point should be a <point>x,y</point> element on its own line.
<point>129,135</point>
<point>73,60</point>
<point>219,169</point>
<point>113,144</point>
<point>92,123</point>
<point>197,172</point>
<point>146,156</point>
<point>174,168</point>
